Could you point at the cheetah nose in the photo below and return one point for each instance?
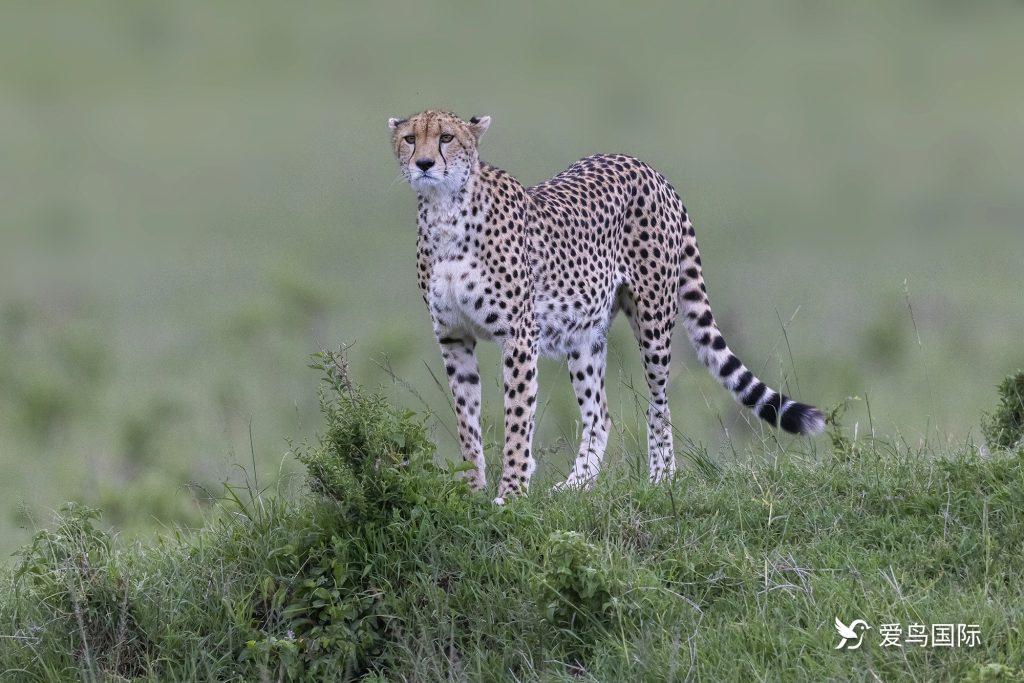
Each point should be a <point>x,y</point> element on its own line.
<point>424,164</point>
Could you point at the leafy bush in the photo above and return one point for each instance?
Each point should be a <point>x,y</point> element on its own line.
<point>84,597</point>
<point>373,457</point>
<point>372,470</point>
<point>578,585</point>
<point>315,617</point>
<point>1003,428</point>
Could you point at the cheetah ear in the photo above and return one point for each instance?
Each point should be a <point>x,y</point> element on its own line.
<point>395,123</point>
<point>479,125</point>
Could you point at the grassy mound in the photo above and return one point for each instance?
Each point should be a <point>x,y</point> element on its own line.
<point>388,568</point>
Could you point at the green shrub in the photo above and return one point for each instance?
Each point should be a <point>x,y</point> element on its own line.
<point>314,618</point>
<point>84,597</point>
<point>372,457</point>
<point>372,471</point>
<point>1003,428</point>
<point>579,586</point>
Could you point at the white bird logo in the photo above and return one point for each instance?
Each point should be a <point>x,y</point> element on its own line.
<point>848,633</point>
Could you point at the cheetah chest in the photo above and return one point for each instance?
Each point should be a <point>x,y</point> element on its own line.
<point>457,299</point>
<point>462,302</point>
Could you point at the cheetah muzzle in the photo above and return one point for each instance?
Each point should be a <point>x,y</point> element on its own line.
<point>544,270</point>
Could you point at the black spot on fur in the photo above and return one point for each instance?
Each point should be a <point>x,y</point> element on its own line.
<point>744,380</point>
<point>772,407</point>
<point>755,394</point>
<point>730,366</point>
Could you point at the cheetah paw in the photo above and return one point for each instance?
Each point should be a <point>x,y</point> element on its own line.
<point>500,500</point>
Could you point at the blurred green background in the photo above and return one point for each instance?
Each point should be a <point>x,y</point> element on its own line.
<point>195,196</point>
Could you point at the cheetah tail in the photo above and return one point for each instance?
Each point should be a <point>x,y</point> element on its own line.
<point>769,405</point>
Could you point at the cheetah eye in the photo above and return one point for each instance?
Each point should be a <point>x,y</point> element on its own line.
<point>411,139</point>
<point>447,137</point>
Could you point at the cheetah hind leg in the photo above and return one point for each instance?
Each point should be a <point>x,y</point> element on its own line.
<point>660,451</point>
<point>655,340</point>
<point>586,369</point>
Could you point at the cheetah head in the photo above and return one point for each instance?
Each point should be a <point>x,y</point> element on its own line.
<point>436,150</point>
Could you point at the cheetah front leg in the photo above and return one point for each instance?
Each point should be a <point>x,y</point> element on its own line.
<point>464,380</point>
<point>586,368</point>
<point>519,371</point>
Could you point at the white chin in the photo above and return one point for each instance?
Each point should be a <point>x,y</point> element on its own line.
<point>425,185</point>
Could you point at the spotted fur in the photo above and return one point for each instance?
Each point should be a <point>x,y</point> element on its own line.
<point>544,270</point>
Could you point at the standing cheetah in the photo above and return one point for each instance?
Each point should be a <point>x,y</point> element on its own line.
<point>544,270</point>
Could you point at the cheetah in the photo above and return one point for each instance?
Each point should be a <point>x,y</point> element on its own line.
<point>544,270</point>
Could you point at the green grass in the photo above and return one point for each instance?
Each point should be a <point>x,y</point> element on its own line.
<point>387,568</point>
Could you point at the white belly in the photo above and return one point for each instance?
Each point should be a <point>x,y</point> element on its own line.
<point>564,326</point>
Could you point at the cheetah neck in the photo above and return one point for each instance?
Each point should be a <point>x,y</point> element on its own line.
<point>442,218</point>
